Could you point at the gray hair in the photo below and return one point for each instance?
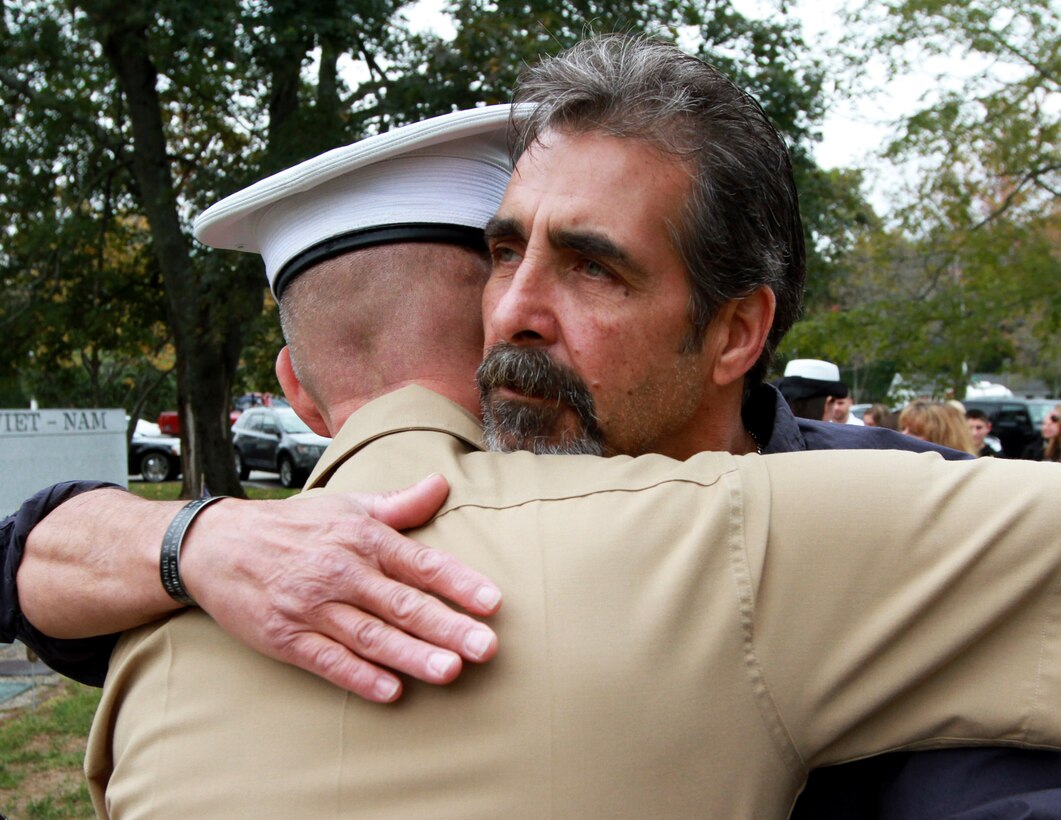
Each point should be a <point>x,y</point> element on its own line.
<point>740,228</point>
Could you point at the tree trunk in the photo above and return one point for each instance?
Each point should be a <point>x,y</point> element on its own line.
<point>206,334</point>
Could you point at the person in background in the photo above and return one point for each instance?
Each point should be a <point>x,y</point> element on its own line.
<point>979,425</point>
<point>936,422</point>
<point>1048,448</point>
<point>812,387</point>
<point>842,412</point>
<point>880,415</point>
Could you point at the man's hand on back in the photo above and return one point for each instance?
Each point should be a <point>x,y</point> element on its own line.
<point>323,583</point>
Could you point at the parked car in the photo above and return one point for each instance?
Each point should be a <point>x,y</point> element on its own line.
<point>152,455</point>
<point>248,400</point>
<point>1011,421</point>
<point>170,424</point>
<point>276,440</point>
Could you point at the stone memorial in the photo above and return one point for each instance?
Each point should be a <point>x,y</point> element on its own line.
<point>43,447</point>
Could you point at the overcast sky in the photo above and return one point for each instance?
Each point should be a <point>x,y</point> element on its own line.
<point>853,130</point>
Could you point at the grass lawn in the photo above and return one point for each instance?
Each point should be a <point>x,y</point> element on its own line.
<point>170,490</point>
<point>42,749</point>
<point>41,755</point>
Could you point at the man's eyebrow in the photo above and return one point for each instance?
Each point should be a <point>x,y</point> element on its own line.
<point>590,244</point>
<point>502,226</point>
<point>599,246</point>
<point>586,243</point>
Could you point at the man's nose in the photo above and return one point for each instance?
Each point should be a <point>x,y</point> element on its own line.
<point>519,309</point>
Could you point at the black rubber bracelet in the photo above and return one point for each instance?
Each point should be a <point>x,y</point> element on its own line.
<point>169,564</point>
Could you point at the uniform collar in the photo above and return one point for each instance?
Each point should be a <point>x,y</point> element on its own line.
<point>410,408</point>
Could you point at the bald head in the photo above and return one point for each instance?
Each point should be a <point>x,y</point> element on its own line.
<point>368,321</point>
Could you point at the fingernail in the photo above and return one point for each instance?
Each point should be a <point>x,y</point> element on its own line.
<point>387,688</point>
<point>478,642</point>
<point>488,597</point>
<point>442,663</point>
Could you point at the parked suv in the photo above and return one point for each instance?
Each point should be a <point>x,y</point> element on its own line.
<point>1011,422</point>
<point>276,440</point>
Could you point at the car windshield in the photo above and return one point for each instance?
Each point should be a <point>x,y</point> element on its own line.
<point>290,423</point>
<point>1039,409</point>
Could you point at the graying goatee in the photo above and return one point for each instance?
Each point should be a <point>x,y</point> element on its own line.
<point>515,425</point>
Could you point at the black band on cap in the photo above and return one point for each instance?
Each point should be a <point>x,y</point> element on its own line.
<point>338,245</point>
<point>795,388</point>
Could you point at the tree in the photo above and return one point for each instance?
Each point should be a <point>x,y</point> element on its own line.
<point>82,313</point>
<point>161,108</point>
<point>191,102</point>
<point>993,138</point>
<point>944,305</point>
<point>962,277</point>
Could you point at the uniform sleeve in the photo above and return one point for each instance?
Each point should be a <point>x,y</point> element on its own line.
<point>902,601</point>
<point>85,659</point>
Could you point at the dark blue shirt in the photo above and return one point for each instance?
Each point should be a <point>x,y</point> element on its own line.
<point>767,416</point>
<point>83,660</point>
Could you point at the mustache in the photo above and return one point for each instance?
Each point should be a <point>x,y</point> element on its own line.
<point>532,372</point>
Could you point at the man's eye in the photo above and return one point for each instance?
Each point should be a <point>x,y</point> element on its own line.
<point>595,270</point>
<point>503,255</point>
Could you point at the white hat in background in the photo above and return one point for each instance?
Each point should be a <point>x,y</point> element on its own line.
<point>817,369</point>
<point>809,378</point>
<point>439,180</point>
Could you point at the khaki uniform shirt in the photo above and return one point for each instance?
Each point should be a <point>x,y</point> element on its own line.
<point>677,639</point>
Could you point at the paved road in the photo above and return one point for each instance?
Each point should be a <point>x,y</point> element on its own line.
<point>22,682</point>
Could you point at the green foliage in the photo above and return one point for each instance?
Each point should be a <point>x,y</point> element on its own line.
<point>964,278</point>
<point>69,803</point>
<point>945,305</point>
<point>170,491</point>
<point>107,292</point>
<point>83,311</point>
<point>993,140</point>
<point>257,373</point>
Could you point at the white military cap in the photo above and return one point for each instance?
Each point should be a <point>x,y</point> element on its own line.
<point>807,378</point>
<point>818,369</point>
<point>438,180</point>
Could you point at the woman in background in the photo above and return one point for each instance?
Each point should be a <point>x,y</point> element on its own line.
<point>880,415</point>
<point>1048,448</point>
<point>938,423</point>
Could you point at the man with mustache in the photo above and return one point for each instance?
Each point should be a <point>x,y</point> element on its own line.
<point>593,774</point>
<point>576,290</point>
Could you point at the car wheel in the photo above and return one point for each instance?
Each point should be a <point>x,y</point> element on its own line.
<point>243,470</point>
<point>155,467</point>
<point>289,476</point>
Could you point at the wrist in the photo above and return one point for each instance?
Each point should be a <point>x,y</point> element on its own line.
<point>172,543</point>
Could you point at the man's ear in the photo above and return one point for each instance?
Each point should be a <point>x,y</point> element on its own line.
<point>301,401</point>
<point>742,327</point>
